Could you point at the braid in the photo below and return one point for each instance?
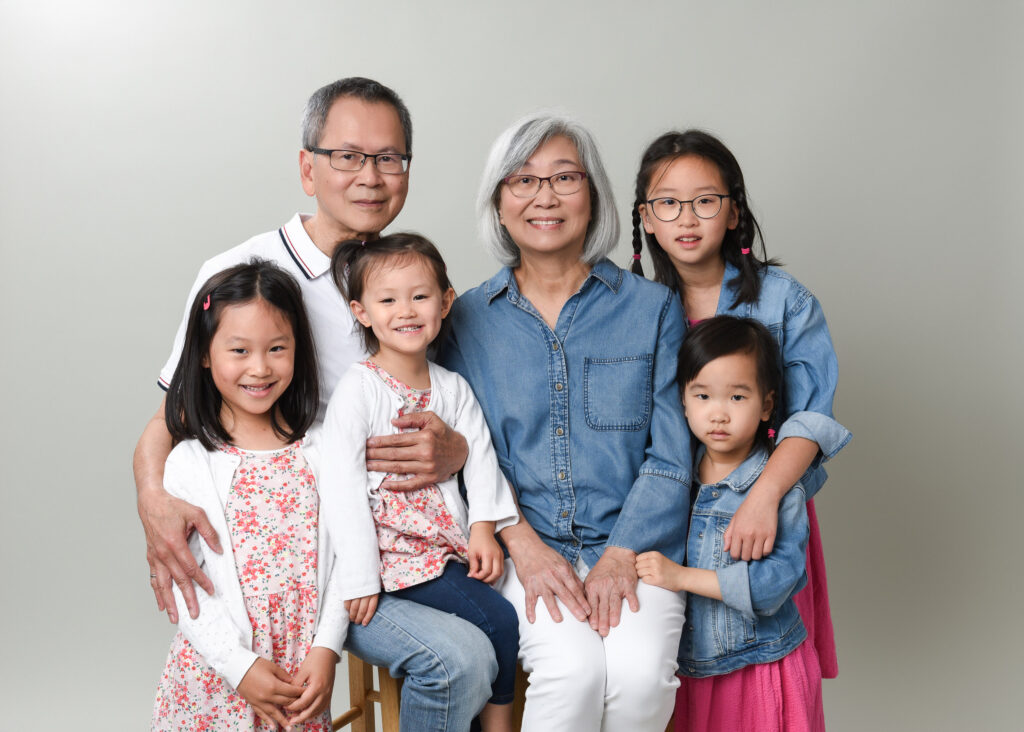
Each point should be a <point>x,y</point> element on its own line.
<point>637,267</point>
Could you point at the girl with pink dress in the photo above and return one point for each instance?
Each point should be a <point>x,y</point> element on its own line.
<point>693,211</point>
<point>261,654</point>
<point>429,545</point>
<point>744,653</point>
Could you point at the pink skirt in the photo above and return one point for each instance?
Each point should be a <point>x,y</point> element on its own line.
<point>782,696</point>
<point>812,601</point>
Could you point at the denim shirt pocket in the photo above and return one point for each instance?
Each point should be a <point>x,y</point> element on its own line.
<point>736,632</point>
<point>617,392</point>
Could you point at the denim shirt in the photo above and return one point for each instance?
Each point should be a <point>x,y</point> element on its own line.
<point>808,362</point>
<point>586,418</point>
<point>756,621</point>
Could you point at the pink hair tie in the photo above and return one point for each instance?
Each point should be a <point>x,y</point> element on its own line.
<point>636,256</point>
<point>745,250</point>
<point>771,434</point>
<point>206,305</point>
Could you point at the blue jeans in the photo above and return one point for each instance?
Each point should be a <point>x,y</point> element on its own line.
<point>479,603</point>
<point>448,664</point>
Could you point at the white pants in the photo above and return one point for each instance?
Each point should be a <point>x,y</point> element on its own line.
<point>580,681</point>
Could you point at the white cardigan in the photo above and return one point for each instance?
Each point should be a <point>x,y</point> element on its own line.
<point>363,406</point>
<point>222,633</point>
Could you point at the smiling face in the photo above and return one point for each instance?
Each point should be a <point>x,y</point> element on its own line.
<point>548,223</point>
<point>690,242</point>
<point>356,204</point>
<point>404,306</point>
<point>251,360</point>
<point>724,406</point>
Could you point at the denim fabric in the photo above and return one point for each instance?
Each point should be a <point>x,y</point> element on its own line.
<point>756,621</point>
<point>482,605</point>
<point>447,663</point>
<point>585,418</point>
<point>808,361</point>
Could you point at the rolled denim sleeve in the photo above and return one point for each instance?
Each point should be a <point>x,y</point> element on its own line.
<point>826,431</point>
<point>655,513</point>
<point>809,365</point>
<point>760,587</point>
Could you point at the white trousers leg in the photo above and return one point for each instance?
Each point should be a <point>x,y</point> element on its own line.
<point>581,681</point>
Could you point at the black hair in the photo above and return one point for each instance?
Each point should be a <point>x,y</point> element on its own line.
<point>357,87</point>
<point>193,403</point>
<point>353,261</point>
<point>725,335</point>
<point>746,235</point>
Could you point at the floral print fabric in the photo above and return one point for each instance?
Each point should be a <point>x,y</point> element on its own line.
<point>416,532</point>
<point>272,521</point>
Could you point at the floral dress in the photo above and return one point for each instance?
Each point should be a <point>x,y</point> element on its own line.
<point>416,532</point>
<point>271,512</point>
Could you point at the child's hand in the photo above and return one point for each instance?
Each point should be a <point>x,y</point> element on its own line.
<point>751,533</point>
<point>316,676</point>
<point>268,687</point>
<point>486,560</point>
<point>361,609</point>
<point>656,569</point>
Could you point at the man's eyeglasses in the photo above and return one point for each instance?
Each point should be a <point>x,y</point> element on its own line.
<point>348,161</point>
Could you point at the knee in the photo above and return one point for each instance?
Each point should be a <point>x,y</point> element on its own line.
<point>643,684</point>
<point>576,674</point>
<point>466,660</point>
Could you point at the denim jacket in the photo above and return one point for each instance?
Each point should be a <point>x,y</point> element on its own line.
<point>756,621</point>
<point>585,418</point>
<point>808,362</point>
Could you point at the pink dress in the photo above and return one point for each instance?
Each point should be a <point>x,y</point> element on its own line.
<point>271,512</point>
<point>416,532</point>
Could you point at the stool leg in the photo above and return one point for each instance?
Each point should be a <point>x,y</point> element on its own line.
<point>390,700</point>
<point>360,683</point>
<point>519,700</point>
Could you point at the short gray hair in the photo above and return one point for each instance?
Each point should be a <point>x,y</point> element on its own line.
<point>510,152</point>
<point>315,116</point>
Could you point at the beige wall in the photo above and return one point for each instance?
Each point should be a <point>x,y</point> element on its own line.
<point>882,151</point>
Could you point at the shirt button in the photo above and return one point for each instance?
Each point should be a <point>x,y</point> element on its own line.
<point>561,475</point>
<point>714,494</point>
<point>559,432</point>
<point>558,386</point>
<point>700,535</point>
<point>554,346</point>
<point>565,514</point>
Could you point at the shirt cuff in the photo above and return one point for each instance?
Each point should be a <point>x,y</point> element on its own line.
<point>238,666</point>
<point>734,581</point>
<point>829,434</point>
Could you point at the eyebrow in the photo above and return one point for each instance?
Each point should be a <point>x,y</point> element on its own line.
<point>360,149</point>
<point>667,189</point>
<point>562,161</point>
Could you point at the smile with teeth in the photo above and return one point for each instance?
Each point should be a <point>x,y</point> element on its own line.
<point>545,223</point>
<point>409,328</point>
<point>257,388</point>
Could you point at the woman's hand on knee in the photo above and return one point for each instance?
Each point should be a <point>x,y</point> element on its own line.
<point>613,578</point>
<point>544,573</point>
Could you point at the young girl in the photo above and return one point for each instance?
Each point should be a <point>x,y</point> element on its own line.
<point>705,244</point>
<point>743,643</point>
<point>404,540</point>
<point>262,651</point>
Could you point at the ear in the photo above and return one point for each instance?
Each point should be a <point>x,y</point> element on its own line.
<point>205,363</point>
<point>642,210</point>
<point>306,172</point>
<point>767,406</point>
<point>501,217</point>
<point>360,313</point>
<point>734,215</point>
<point>447,298</point>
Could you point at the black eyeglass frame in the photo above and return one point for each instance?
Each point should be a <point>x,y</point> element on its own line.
<point>540,182</point>
<point>330,155</point>
<point>720,196</point>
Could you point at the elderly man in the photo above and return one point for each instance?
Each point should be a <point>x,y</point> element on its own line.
<point>357,144</point>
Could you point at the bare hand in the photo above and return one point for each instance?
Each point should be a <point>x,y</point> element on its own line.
<point>268,687</point>
<point>751,533</point>
<point>316,677</point>
<point>168,521</point>
<point>486,560</point>
<point>431,454</point>
<point>361,609</point>
<point>612,579</point>
<point>654,568</point>
<point>544,573</point>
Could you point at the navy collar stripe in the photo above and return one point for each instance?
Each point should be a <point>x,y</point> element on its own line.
<point>294,254</point>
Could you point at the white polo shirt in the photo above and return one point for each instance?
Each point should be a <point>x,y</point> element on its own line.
<point>335,332</point>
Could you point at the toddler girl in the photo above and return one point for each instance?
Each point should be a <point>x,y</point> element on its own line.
<point>404,540</point>
<point>742,653</point>
<point>262,651</point>
<point>705,243</point>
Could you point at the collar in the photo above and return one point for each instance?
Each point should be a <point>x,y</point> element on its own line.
<point>745,474</point>
<point>604,271</point>
<point>310,260</point>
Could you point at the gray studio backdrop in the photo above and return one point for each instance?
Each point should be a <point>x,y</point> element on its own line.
<point>881,146</point>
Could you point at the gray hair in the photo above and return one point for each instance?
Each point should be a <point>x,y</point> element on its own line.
<point>510,152</point>
<point>315,116</point>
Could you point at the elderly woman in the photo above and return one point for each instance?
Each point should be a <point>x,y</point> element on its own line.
<point>574,363</point>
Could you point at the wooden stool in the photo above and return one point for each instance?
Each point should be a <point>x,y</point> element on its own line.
<point>363,695</point>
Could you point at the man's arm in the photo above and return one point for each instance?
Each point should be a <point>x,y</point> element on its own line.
<point>167,522</point>
<point>432,454</point>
